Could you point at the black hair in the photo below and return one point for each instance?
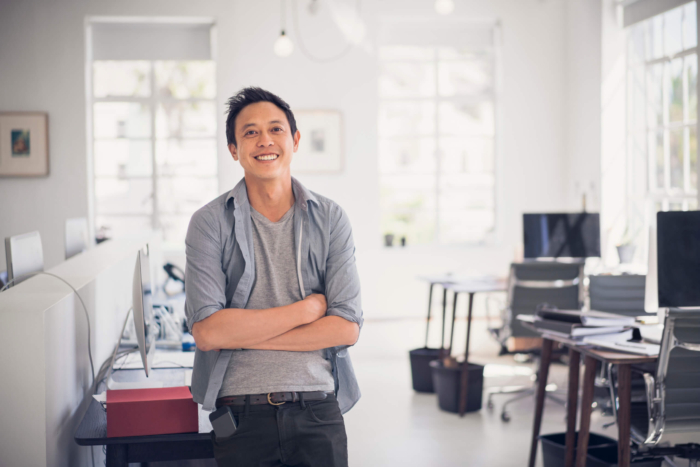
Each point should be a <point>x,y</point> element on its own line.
<point>251,95</point>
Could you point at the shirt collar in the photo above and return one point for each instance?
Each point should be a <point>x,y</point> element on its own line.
<point>239,194</point>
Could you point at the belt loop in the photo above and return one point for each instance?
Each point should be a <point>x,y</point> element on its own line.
<point>247,404</point>
<point>301,400</point>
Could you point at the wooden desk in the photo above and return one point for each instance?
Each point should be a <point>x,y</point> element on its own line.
<point>471,287</point>
<point>92,431</point>
<point>624,362</point>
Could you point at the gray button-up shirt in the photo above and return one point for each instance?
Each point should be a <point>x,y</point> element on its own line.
<point>221,270</point>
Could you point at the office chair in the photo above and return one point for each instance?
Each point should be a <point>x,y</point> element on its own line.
<point>24,255</point>
<point>529,285</point>
<point>76,236</point>
<point>672,403</point>
<point>623,295</point>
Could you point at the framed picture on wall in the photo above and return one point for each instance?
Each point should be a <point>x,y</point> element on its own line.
<point>321,144</point>
<point>24,144</point>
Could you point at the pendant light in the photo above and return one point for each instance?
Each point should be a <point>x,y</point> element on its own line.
<point>283,45</point>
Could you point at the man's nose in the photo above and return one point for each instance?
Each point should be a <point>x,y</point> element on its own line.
<point>265,139</point>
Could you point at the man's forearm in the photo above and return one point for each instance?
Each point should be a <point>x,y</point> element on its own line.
<point>329,331</point>
<point>235,328</point>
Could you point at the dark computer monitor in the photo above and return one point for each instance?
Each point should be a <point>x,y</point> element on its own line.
<point>143,309</point>
<point>561,235</point>
<point>678,258</point>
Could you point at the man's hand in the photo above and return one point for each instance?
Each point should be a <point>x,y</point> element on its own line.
<point>316,306</point>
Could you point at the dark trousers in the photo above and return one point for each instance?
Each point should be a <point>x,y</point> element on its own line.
<point>303,434</point>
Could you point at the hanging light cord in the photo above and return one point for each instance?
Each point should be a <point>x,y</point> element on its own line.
<point>87,316</point>
<point>302,47</point>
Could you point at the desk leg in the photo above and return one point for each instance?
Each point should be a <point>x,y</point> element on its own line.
<point>586,409</point>
<point>624,377</point>
<point>539,401</point>
<point>427,324</point>
<point>464,380</point>
<point>444,315</point>
<point>117,455</point>
<point>571,406</point>
<point>452,329</point>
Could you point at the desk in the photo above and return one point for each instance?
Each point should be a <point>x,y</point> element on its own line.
<point>471,287</point>
<point>92,430</point>
<point>624,361</point>
<point>443,280</point>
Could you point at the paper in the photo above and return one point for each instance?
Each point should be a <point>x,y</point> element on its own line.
<point>101,398</point>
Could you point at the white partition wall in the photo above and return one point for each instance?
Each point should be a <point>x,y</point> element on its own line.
<point>45,370</point>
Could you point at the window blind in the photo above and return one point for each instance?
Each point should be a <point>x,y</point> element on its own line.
<point>641,10</point>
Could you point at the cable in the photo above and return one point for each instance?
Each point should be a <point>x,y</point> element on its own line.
<point>87,316</point>
<point>302,47</point>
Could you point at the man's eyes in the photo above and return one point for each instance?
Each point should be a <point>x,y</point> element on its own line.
<point>276,129</point>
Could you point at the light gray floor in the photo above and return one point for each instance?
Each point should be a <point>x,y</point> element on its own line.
<point>393,426</point>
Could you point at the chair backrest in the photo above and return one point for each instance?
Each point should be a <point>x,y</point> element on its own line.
<point>76,236</point>
<point>533,283</point>
<point>674,395</point>
<point>24,255</point>
<point>618,294</point>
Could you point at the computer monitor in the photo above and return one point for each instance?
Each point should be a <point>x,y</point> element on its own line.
<point>143,309</point>
<point>24,255</point>
<point>678,258</point>
<point>561,235</point>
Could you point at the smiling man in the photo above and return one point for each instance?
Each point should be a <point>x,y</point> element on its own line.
<point>273,301</point>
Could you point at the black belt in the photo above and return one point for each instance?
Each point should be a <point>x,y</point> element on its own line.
<point>273,398</point>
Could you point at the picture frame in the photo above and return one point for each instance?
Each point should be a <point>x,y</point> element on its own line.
<point>24,144</point>
<point>321,145</point>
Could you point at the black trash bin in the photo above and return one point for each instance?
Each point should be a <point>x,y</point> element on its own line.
<point>447,386</point>
<point>602,452</point>
<point>420,368</point>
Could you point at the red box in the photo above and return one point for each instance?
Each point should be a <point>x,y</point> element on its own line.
<point>152,411</point>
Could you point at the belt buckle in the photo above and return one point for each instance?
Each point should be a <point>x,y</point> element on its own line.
<point>269,400</point>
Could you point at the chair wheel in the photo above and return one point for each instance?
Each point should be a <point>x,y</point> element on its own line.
<point>505,416</point>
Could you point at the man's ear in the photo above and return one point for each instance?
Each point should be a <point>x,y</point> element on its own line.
<point>234,152</point>
<point>297,136</point>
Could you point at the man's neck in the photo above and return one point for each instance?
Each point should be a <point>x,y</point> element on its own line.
<point>271,198</point>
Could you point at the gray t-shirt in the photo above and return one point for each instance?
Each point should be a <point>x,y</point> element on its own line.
<point>276,284</point>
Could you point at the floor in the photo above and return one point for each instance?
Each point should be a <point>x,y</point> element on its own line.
<point>394,426</point>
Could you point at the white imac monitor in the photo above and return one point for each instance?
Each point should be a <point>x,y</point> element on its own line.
<point>143,309</point>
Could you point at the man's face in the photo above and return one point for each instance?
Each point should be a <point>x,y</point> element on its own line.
<point>265,142</point>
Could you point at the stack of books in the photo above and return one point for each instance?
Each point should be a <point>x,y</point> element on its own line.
<point>576,324</point>
<point>596,328</point>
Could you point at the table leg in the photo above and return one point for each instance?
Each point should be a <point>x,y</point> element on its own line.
<point>452,329</point>
<point>539,400</point>
<point>427,324</point>
<point>571,406</point>
<point>117,455</point>
<point>586,409</point>
<point>444,314</point>
<point>624,385</point>
<point>464,376</point>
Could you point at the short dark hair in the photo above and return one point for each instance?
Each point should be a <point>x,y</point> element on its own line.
<point>251,95</point>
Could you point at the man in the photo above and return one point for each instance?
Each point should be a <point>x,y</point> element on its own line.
<point>273,301</point>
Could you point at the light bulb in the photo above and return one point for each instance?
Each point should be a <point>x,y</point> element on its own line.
<point>283,46</point>
<point>444,7</point>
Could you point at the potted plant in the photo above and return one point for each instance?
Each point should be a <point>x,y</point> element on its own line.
<point>626,248</point>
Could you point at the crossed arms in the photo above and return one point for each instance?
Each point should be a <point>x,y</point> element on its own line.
<point>301,326</point>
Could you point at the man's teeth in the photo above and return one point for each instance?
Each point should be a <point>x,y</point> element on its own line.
<point>269,157</point>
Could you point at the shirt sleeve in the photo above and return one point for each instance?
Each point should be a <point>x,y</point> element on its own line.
<point>342,280</point>
<point>205,281</point>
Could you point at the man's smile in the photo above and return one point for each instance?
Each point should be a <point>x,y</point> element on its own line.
<point>267,157</point>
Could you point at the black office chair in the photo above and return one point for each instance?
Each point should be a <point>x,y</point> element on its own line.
<point>531,284</point>
<point>623,295</point>
<point>672,402</point>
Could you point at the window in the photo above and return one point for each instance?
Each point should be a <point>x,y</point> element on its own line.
<point>662,112</point>
<point>437,143</point>
<point>154,151</point>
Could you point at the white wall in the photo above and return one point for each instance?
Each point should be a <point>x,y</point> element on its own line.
<point>42,51</point>
<point>582,103</point>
